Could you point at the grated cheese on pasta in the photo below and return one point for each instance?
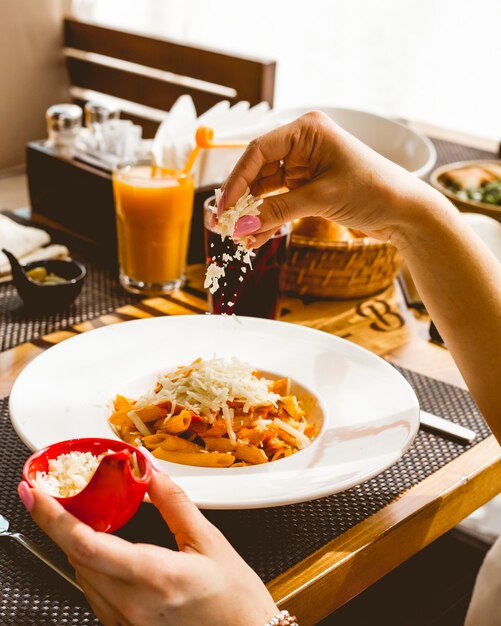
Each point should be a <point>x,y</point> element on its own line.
<point>206,386</point>
<point>301,439</point>
<point>138,423</point>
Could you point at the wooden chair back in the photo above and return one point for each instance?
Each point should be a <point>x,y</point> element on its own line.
<point>148,73</point>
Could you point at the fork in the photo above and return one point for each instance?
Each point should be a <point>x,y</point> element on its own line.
<point>34,549</point>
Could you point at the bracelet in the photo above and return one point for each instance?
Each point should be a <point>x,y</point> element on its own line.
<point>284,618</point>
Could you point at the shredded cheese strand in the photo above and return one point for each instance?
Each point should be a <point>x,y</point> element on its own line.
<point>245,205</point>
<point>301,439</point>
<point>207,386</point>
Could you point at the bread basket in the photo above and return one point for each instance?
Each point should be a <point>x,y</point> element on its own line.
<point>339,270</point>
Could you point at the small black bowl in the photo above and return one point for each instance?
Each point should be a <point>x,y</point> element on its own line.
<point>41,297</point>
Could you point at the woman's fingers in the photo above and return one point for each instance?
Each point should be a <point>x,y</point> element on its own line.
<point>261,238</point>
<point>110,596</point>
<point>185,521</point>
<point>105,553</point>
<point>268,184</point>
<point>299,144</point>
<point>270,168</point>
<point>102,609</point>
<point>285,207</point>
<point>269,148</point>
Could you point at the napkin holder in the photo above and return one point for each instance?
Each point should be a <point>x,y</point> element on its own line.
<point>74,194</point>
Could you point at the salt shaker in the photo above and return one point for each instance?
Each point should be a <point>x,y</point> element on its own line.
<point>96,114</point>
<point>64,123</point>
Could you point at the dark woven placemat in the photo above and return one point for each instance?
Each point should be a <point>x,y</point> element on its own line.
<point>102,294</point>
<point>449,152</point>
<point>31,594</point>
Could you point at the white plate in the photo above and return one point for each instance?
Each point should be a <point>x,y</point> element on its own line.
<point>371,413</point>
<point>488,229</point>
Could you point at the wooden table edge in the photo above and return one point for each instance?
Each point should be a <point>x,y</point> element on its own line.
<point>323,573</point>
<point>350,563</point>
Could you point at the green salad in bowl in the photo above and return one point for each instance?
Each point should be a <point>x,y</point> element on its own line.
<point>471,185</point>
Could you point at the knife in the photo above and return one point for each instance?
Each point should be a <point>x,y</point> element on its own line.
<point>446,428</point>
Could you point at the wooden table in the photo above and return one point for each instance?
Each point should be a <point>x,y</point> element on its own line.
<point>353,561</point>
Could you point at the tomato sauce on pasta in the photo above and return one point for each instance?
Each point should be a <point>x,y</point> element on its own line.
<point>215,413</point>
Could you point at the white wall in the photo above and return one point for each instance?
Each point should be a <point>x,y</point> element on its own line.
<point>436,61</point>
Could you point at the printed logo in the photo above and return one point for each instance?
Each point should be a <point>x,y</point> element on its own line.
<point>385,318</point>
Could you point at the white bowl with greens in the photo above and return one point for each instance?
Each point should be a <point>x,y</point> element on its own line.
<point>471,185</point>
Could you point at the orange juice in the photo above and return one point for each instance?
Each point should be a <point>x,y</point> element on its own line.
<point>153,212</point>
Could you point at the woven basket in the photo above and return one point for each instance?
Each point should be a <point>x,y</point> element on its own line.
<point>339,269</point>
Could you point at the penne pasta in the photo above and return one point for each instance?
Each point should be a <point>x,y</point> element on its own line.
<point>254,436</point>
<point>120,417</point>
<point>121,403</point>
<point>289,439</point>
<point>242,452</point>
<point>170,442</point>
<point>200,459</point>
<point>281,453</point>
<point>177,423</point>
<point>250,454</point>
<point>291,405</point>
<point>218,429</point>
<point>228,430</point>
<point>310,431</point>
<point>219,444</point>
<point>151,413</point>
<point>282,386</point>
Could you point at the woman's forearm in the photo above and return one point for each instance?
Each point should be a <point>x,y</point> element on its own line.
<point>459,280</point>
<point>329,173</point>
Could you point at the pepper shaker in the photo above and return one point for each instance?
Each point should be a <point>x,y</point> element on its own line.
<point>96,114</point>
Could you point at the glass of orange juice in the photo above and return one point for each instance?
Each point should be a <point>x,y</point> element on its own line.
<point>153,208</point>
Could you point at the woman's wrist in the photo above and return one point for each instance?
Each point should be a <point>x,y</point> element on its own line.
<point>422,219</point>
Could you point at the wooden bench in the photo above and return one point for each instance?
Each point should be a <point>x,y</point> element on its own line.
<point>147,74</point>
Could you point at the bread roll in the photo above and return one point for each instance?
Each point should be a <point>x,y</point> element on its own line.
<point>322,229</point>
<point>472,177</point>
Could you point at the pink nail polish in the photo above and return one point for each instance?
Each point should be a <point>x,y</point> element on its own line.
<point>246,225</point>
<point>153,461</point>
<point>26,496</point>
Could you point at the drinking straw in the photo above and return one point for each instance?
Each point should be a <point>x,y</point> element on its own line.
<point>204,138</point>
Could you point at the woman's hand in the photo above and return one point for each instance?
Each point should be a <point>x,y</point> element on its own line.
<point>331,174</point>
<point>328,173</point>
<point>141,584</point>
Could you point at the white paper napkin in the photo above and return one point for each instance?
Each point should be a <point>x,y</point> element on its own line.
<point>26,243</point>
<point>175,138</point>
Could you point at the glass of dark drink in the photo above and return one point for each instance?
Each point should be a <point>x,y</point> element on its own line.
<point>244,290</point>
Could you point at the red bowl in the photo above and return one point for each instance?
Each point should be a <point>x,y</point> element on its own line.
<point>113,494</point>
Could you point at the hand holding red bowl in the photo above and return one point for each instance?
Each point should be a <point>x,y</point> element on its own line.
<point>137,583</point>
<point>114,492</point>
